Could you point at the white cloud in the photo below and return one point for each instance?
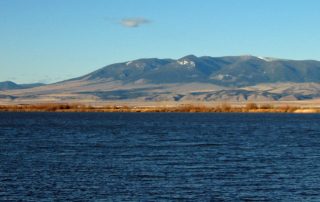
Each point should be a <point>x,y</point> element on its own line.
<point>134,22</point>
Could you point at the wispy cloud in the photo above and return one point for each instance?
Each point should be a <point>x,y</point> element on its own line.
<point>134,22</point>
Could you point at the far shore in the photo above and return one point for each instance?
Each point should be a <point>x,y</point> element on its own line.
<point>193,108</point>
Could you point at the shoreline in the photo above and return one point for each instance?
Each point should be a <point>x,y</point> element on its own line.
<point>183,108</point>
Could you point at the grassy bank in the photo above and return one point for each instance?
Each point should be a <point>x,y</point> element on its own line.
<point>247,108</point>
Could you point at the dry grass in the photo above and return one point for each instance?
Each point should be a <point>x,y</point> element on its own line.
<point>223,108</point>
<point>251,106</point>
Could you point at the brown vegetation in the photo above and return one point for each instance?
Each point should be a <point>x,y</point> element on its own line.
<point>251,106</point>
<point>224,107</point>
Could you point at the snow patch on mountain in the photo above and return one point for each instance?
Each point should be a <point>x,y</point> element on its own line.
<point>186,62</point>
<point>128,63</point>
<point>267,59</point>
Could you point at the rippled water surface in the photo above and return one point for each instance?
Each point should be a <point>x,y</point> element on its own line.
<point>159,157</point>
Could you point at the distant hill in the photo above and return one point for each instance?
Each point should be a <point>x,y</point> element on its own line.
<point>9,85</point>
<point>190,78</point>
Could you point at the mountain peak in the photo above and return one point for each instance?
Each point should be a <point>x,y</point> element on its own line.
<point>189,57</point>
<point>247,57</point>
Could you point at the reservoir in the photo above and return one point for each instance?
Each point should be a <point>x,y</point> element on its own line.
<point>159,157</point>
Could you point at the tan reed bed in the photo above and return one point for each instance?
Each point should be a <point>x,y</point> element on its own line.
<point>222,108</point>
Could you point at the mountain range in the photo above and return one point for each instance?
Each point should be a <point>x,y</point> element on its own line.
<point>190,78</point>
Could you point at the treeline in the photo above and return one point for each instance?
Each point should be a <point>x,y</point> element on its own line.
<point>249,107</point>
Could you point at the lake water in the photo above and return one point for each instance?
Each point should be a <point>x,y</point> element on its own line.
<point>159,157</point>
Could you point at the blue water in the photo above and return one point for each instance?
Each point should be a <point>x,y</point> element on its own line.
<point>159,157</point>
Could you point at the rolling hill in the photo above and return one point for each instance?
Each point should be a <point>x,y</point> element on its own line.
<point>9,85</point>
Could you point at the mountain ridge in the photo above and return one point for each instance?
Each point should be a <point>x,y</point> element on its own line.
<point>226,71</point>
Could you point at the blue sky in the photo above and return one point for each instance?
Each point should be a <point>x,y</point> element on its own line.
<point>48,41</point>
